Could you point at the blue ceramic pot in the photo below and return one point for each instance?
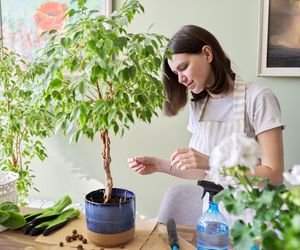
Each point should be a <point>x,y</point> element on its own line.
<point>110,224</point>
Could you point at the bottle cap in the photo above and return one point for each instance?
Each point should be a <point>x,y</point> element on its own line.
<point>211,188</point>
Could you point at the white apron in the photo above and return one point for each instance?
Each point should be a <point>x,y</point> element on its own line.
<point>210,133</point>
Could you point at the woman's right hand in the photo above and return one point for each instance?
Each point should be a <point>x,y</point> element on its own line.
<point>144,165</point>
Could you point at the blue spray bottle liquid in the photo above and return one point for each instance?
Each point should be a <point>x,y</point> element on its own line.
<point>212,226</point>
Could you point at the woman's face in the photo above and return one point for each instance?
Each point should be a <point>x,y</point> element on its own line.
<point>193,70</point>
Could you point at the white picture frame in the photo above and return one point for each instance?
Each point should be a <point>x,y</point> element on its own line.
<point>279,38</point>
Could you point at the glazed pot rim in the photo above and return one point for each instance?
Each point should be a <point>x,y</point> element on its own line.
<point>110,204</point>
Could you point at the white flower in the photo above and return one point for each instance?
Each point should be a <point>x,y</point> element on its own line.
<point>293,176</point>
<point>232,151</point>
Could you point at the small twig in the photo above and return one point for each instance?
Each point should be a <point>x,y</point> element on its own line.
<point>99,91</point>
<point>92,94</point>
<point>90,98</point>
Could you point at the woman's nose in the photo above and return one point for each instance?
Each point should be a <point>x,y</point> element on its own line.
<point>182,79</point>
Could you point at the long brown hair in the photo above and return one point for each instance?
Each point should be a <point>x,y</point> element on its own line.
<point>190,39</point>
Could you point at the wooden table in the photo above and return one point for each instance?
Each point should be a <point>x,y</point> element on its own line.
<point>158,240</point>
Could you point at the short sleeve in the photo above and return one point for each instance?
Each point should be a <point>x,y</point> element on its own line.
<point>266,113</point>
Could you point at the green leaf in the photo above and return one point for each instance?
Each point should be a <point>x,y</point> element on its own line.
<point>64,41</point>
<point>50,52</point>
<point>55,83</point>
<point>4,215</point>
<point>141,99</point>
<point>71,12</point>
<point>266,197</point>
<point>15,220</point>
<point>129,116</point>
<point>126,98</point>
<point>104,119</point>
<point>78,135</point>
<point>83,114</point>
<point>241,236</point>
<point>92,44</point>
<point>157,61</point>
<point>128,73</point>
<point>96,70</point>
<point>99,106</point>
<point>81,3</point>
<point>116,128</point>
<point>150,50</point>
<point>77,34</point>
<point>81,88</point>
<point>270,240</point>
<point>120,42</point>
<point>111,116</point>
<point>52,32</point>
<point>9,206</point>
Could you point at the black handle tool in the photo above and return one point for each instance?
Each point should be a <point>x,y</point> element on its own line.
<point>172,233</point>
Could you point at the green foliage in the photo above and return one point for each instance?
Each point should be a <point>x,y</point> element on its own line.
<point>98,76</point>
<point>10,216</point>
<point>276,223</point>
<point>9,206</point>
<point>23,121</point>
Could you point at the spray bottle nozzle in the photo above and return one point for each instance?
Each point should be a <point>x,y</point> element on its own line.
<point>211,188</point>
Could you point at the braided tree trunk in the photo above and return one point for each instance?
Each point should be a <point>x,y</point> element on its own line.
<point>106,165</point>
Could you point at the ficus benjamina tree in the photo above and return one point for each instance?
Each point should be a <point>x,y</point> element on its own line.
<point>99,77</point>
<point>23,122</point>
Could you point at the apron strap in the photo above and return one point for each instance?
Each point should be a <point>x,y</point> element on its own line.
<point>239,102</point>
<point>202,108</point>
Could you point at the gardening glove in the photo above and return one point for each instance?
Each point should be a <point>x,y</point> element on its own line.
<point>47,214</point>
<point>48,227</point>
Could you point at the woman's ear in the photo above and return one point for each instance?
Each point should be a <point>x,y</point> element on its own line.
<point>207,52</point>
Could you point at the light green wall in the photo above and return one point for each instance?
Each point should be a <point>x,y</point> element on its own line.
<point>76,169</point>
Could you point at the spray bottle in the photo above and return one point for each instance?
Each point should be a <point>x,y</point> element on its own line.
<point>212,226</point>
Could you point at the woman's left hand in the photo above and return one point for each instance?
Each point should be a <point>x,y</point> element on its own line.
<point>189,158</point>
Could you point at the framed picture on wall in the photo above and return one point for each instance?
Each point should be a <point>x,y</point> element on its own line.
<point>279,43</point>
<point>24,21</point>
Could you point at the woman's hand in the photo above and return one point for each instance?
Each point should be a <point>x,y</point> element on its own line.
<point>189,158</point>
<point>149,165</point>
<point>144,165</point>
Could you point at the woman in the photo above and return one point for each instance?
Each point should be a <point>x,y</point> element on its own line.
<point>220,106</point>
